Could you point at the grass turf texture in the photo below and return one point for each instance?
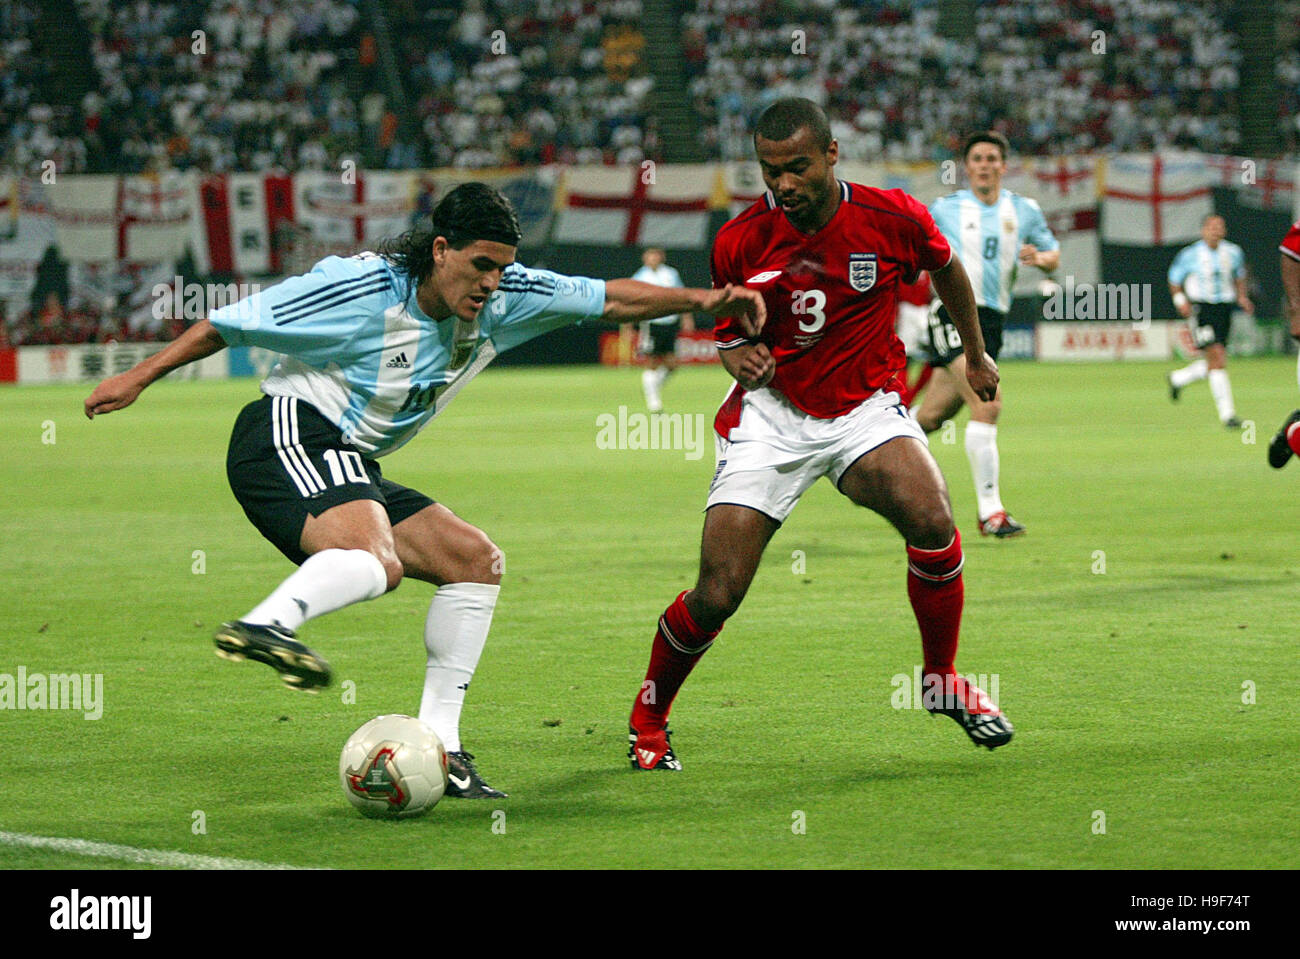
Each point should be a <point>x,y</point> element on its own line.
<point>1125,685</point>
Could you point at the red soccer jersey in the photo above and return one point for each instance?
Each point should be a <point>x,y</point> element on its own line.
<point>1291,244</point>
<point>832,297</point>
<point>918,293</point>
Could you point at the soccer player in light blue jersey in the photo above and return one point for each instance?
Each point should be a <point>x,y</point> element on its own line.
<point>659,336</point>
<point>373,347</point>
<point>993,232</point>
<point>1207,280</point>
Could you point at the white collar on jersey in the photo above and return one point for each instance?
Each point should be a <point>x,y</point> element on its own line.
<point>770,200</point>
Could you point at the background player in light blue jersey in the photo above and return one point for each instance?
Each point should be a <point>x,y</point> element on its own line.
<point>994,232</point>
<point>659,336</point>
<point>1206,280</point>
<point>374,347</point>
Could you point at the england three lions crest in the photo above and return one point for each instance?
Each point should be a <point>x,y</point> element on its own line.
<point>862,271</point>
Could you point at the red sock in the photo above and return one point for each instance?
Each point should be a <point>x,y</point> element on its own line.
<point>1293,438</point>
<point>678,646</point>
<point>934,586</point>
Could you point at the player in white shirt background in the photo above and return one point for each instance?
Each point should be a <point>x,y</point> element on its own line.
<point>373,347</point>
<point>1206,280</point>
<point>659,336</point>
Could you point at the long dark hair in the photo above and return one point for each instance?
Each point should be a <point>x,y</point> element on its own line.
<point>472,211</point>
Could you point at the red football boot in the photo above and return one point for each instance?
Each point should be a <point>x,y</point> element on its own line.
<point>970,707</point>
<point>652,750</point>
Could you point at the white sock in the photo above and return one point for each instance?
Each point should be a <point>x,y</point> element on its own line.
<point>650,386</point>
<point>1189,374</point>
<point>454,633</point>
<point>1221,390</point>
<point>326,581</point>
<point>982,451</point>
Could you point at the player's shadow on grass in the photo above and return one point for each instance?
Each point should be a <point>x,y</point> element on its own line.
<point>460,810</point>
<point>617,788</point>
<point>1117,586</point>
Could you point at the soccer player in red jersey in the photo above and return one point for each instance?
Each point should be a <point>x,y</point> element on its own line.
<point>1287,440</point>
<point>815,396</point>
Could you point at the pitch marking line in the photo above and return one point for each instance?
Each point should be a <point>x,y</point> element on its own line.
<point>148,857</point>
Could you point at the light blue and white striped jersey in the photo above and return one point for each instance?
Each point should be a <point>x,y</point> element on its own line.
<point>987,238</point>
<point>1209,276</point>
<point>665,275</point>
<point>358,347</point>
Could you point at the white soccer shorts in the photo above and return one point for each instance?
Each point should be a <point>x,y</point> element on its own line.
<point>777,451</point>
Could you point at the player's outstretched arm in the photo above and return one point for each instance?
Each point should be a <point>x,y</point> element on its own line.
<point>953,287</point>
<point>116,392</point>
<point>630,301</point>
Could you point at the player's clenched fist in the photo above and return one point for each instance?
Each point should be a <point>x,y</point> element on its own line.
<point>983,378</point>
<point>756,367</point>
<point>733,300</point>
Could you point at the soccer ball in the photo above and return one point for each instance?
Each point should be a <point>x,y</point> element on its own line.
<point>394,767</point>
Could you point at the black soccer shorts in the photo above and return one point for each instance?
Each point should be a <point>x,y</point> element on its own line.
<point>659,339</point>
<point>287,462</point>
<point>1211,323</point>
<point>945,341</point>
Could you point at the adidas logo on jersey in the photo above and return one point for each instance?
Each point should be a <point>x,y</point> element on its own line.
<point>399,362</point>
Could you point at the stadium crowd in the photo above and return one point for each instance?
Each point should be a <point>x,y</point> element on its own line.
<point>260,84</point>
<point>80,321</point>
<point>1035,72</point>
<point>223,85</point>
<point>29,133</point>
<point>526,83</point>
<point>300,86</point>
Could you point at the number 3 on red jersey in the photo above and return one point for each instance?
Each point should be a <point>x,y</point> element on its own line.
<point>809,303</point>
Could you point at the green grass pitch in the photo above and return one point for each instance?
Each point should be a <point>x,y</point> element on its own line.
<point>1143,634</point>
